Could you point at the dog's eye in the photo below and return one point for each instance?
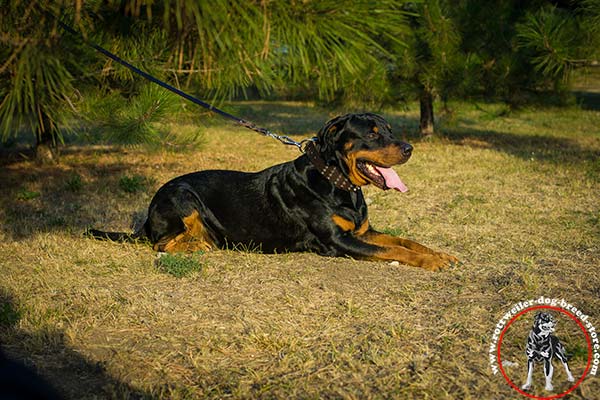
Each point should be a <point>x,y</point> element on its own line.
<point>372,135</point>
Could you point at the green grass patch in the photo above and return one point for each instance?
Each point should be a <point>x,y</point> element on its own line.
<point>132,184</point>
<point>178,265</point>
<point>74,183</point>
<point>26,195</point>
<point>9,315</point>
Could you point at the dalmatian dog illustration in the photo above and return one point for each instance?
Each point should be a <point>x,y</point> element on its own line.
<point>542,345</point>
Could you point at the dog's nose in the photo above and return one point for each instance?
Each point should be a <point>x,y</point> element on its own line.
<point>406,149</point>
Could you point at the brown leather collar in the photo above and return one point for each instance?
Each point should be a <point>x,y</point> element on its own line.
<point>331,172</point>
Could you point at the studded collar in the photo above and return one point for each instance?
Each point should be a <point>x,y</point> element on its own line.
<point>331,172</point>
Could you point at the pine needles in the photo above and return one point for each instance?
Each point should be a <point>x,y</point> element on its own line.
<point>135,122</point>
<point>354,52</point>
<point>140,119</point>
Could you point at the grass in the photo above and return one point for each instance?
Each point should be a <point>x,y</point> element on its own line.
<point>26,195</point>
<point>514,196</point>
<point>74,183</point>
<point>132,184</point>
<point>178,265</point>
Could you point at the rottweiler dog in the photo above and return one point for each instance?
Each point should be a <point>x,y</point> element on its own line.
<point>313,203</point>
<point>542,345</point>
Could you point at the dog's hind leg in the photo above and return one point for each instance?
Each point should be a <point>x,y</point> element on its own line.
<point>548,372</point>
<point>195,237</point>
<point>527,383</point>
<point>176,221</point>
<point>560,353</point>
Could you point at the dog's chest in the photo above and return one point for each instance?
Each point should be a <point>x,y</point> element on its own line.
<point>539,344</point>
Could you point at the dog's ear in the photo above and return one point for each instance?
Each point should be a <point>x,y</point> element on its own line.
<point>330,134</point>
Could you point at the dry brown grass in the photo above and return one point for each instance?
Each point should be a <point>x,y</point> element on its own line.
<point>516,198</point>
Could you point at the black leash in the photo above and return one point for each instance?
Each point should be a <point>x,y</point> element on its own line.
<point>246,124</point>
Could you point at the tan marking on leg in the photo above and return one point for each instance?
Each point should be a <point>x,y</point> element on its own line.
<point>363,228</point>
<point>408,252</point>
<point>194,238</point>
<point>345,224</point>
<point>389,240</point>
<point>194,226</point>
<point>430,262</point>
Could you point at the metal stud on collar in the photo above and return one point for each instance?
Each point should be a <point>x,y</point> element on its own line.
<point>332,173</point>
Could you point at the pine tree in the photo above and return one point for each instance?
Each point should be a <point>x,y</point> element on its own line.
<point>217,48</point>
<point>508,50</point>
<point>342,50</point>
<point>520,48</point>
<point>554,41</point>
<point>36,76</point>
<point>432,64</point>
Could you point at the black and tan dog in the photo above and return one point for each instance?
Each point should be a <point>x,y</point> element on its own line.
<point>313,203</point>
<point>542,345</point>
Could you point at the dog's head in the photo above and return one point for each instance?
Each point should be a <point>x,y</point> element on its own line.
<point>363,147</point>
<point>544,324</point>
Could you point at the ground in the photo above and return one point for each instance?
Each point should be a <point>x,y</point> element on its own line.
<point>513,195</point>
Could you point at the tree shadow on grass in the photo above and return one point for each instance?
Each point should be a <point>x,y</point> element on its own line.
<point>66,198</point>
<point>527,147</point>
<point>43,363</point>
<point>35,202</point>
<point>588,100</point>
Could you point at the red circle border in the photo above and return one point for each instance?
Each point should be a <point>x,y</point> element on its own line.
<point>587,338</point>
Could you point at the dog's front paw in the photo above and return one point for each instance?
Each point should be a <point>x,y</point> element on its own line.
<point>570,378</point>
<point>549,387</point>
<point>447,257</point>
<point>526,386</point>
<point>434,262</point>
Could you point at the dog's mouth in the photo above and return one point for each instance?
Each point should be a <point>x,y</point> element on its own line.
<point>547,328</point>
<point>383,177</point>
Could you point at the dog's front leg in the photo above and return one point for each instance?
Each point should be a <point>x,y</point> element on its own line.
<point>548,371</point>
<point>527,384</point>
<point>407,251</point>
<point>371,249</point>
<point>560,353</point>
<point>570,377</point>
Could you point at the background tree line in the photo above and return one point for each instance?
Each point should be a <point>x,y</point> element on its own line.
<point>357,53</point>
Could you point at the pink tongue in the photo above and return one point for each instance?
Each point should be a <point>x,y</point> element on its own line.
<point>392,180</point>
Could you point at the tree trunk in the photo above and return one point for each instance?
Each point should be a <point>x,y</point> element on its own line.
<point>46,150</point>
<point>426,121</point>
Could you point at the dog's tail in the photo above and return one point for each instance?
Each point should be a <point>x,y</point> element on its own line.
<point>122,237</point>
